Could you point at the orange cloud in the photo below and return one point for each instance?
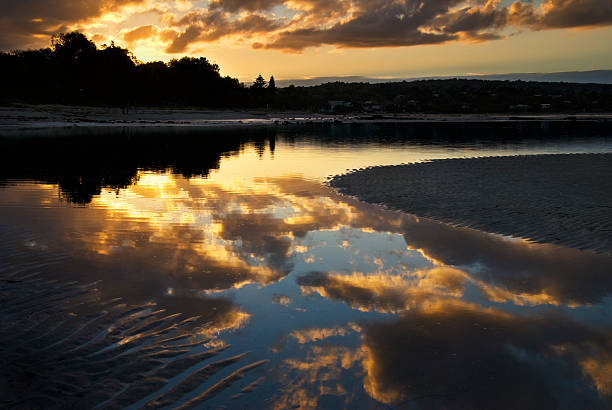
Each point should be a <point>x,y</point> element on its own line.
<point>22,21</point>
<point>293,25</point>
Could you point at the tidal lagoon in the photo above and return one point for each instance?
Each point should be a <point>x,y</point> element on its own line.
<point>220,267</point>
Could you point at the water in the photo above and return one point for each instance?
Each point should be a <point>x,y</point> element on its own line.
<point>296,295</point>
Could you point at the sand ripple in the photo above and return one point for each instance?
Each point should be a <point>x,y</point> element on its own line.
<point>564,199</point>
<point>61,346</point>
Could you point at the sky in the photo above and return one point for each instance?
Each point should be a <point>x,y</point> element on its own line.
<point>296,39</point>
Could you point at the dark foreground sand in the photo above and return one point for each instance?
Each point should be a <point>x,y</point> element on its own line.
<point>561,199</point>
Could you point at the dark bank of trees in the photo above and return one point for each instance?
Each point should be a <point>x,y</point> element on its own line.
<point>75,71</point>
<point>451,96</point>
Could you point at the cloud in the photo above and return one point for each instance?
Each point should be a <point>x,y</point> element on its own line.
<point>416,22</point>
<point>575,13</point>
<point>149,33</point>
<point>209,26</point>
<point>140,33</point>
<point>251,5</point>
<point>294,25</point>
<point>378,24</point>
<point>472,19</point>
<point>182,41</point>
<point>31,22</point>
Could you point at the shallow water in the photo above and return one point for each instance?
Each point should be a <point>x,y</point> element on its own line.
<point>297,296</point>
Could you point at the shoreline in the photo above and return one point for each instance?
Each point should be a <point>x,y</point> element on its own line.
<point>563,199</point>
<point>17,118</point>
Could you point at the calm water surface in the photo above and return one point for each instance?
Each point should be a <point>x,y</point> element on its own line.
<point>334,303</point>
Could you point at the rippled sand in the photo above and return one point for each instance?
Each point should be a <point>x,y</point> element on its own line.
<point>561,199</point>
<point>62,343</point>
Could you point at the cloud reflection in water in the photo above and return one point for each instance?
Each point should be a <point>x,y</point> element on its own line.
<point>470,319</point>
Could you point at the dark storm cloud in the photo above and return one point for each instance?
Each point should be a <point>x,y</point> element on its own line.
<point>30,22</point>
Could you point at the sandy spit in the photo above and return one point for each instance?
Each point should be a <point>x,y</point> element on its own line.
<point>564,199</point>
<point>22,117</point>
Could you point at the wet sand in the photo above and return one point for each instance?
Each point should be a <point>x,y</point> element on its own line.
<point>62,346</point>
<point>17,119</point>
<point>562,199</point>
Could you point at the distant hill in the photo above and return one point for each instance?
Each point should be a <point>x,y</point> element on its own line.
<point>449,95</point>
<point>594,76</point>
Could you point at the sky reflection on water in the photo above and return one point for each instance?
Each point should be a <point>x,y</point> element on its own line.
<point>353,305</point>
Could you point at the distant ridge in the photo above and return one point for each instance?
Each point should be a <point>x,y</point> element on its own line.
<point>594,76</point>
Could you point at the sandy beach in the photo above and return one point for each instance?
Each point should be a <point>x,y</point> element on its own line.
<point>560,199</point>
<point>23,118</point>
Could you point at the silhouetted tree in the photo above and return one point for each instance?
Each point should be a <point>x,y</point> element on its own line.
<point>271,91</point>
<point>259,83</point>
<point>72,46</point>
<point>114,75</point>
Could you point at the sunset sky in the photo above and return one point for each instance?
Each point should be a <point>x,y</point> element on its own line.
<point>293,39</point>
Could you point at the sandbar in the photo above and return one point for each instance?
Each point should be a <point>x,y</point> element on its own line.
<point>564,199</point>
<point>18,119</point>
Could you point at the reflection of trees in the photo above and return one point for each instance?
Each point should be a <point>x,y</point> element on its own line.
<point>83,164</point>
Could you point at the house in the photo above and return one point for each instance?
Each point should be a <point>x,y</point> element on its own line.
<point>333,105</point>
<point>371,106</point>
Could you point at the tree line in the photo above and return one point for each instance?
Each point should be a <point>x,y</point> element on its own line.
<point>75,71</point>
